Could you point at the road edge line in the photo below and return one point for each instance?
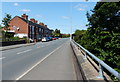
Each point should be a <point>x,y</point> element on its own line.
<point>39,62</point>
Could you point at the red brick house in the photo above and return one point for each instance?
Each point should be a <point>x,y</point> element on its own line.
<point>22,27</point>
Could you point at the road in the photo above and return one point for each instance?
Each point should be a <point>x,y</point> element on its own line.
<point>16,62</point>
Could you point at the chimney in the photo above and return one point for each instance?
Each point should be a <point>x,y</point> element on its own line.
<point>42,24</point>
<point>46,26</point>
<point>25,16</point>
<point>36,21</point>
<point>33,20</point>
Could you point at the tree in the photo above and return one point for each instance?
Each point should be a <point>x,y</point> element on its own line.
<point>102,37</point>
<point>56,33</point>
<point>78,34</point>
<point>106,16</point>
<point>1,27</point>
<point>6,21</point>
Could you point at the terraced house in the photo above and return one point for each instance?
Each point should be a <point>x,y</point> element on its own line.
<point>22,27</point>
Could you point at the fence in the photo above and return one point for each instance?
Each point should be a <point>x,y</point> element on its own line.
<point>7,43</point>
<point>101,63</point>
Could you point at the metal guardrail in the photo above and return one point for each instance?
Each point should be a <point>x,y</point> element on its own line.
<point>101,63</point>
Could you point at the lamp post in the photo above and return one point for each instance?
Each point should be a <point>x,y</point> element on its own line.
<point>71,22</point>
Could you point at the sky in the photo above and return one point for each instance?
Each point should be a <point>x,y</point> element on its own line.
<point>60,15</point>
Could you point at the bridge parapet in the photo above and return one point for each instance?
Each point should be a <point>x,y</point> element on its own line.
<point>91,70</point>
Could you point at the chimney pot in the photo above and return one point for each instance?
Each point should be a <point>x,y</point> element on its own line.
<point>36,21</point>
<point>46,26</point>
<point>25,16</point>
<point>33,20</point>
<point>42,24</point>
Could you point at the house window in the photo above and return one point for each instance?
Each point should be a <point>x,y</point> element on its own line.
<point>42,30</point>
<point>32,29</point>
<point>39,29</point>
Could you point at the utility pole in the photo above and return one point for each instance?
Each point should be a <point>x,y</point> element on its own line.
<point>71,22</point>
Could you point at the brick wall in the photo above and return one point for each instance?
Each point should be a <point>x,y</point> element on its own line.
<point>16,23</point>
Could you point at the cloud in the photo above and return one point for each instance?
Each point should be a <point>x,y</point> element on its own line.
<point>65,17</point>
<point>25,10</point>
<point>39,16</point>
<point>16,4</point>
<point>80,7</point>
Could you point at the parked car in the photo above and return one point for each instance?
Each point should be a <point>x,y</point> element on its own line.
<point>50,38</point>
<point>45,39</point>
<point>57,37</point>
<point>39,39</point>
<point>31,40</point>
<point>54,38</point>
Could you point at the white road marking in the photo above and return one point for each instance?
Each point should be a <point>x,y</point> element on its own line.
<point>2,58</point>
<point>24,51</point>
<point>3,51</point>
<point>38,47</point>
<point>38,63</point>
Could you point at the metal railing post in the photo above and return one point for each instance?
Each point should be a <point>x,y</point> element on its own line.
<point>80,50</point>
<point>85,56</point>
<point>100,76</point>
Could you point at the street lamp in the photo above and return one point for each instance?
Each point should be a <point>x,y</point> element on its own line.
<point>71,22</point>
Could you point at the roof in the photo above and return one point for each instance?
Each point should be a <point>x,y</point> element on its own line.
<point>34,24</point>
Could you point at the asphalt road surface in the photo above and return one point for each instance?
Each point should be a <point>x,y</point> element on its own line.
<point>26,63</point>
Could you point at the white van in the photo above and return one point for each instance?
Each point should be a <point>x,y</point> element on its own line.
<point>45,39</point>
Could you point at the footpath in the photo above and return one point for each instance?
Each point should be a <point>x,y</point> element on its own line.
<point>15,46</point>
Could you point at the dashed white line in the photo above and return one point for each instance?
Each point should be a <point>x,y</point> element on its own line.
<point>38,47</point>
<point>2,58</point>
<point>24,51</point>
<point>3,51</point>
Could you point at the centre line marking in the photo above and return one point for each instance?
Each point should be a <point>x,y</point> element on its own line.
<point>39,62</point>
<point>2,58</point>
<point>24,51</point>
<point>38,47</point>
<point>3,51</point>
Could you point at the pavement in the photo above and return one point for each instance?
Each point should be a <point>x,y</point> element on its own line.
<point>15,46</point>
<point>45,60</point>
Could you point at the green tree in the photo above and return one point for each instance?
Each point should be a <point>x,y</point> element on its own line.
<point>6,21</point>
<point>65,35</point>
<point>78,34</point>
<point>56,33</point>
<point>102,37</point>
